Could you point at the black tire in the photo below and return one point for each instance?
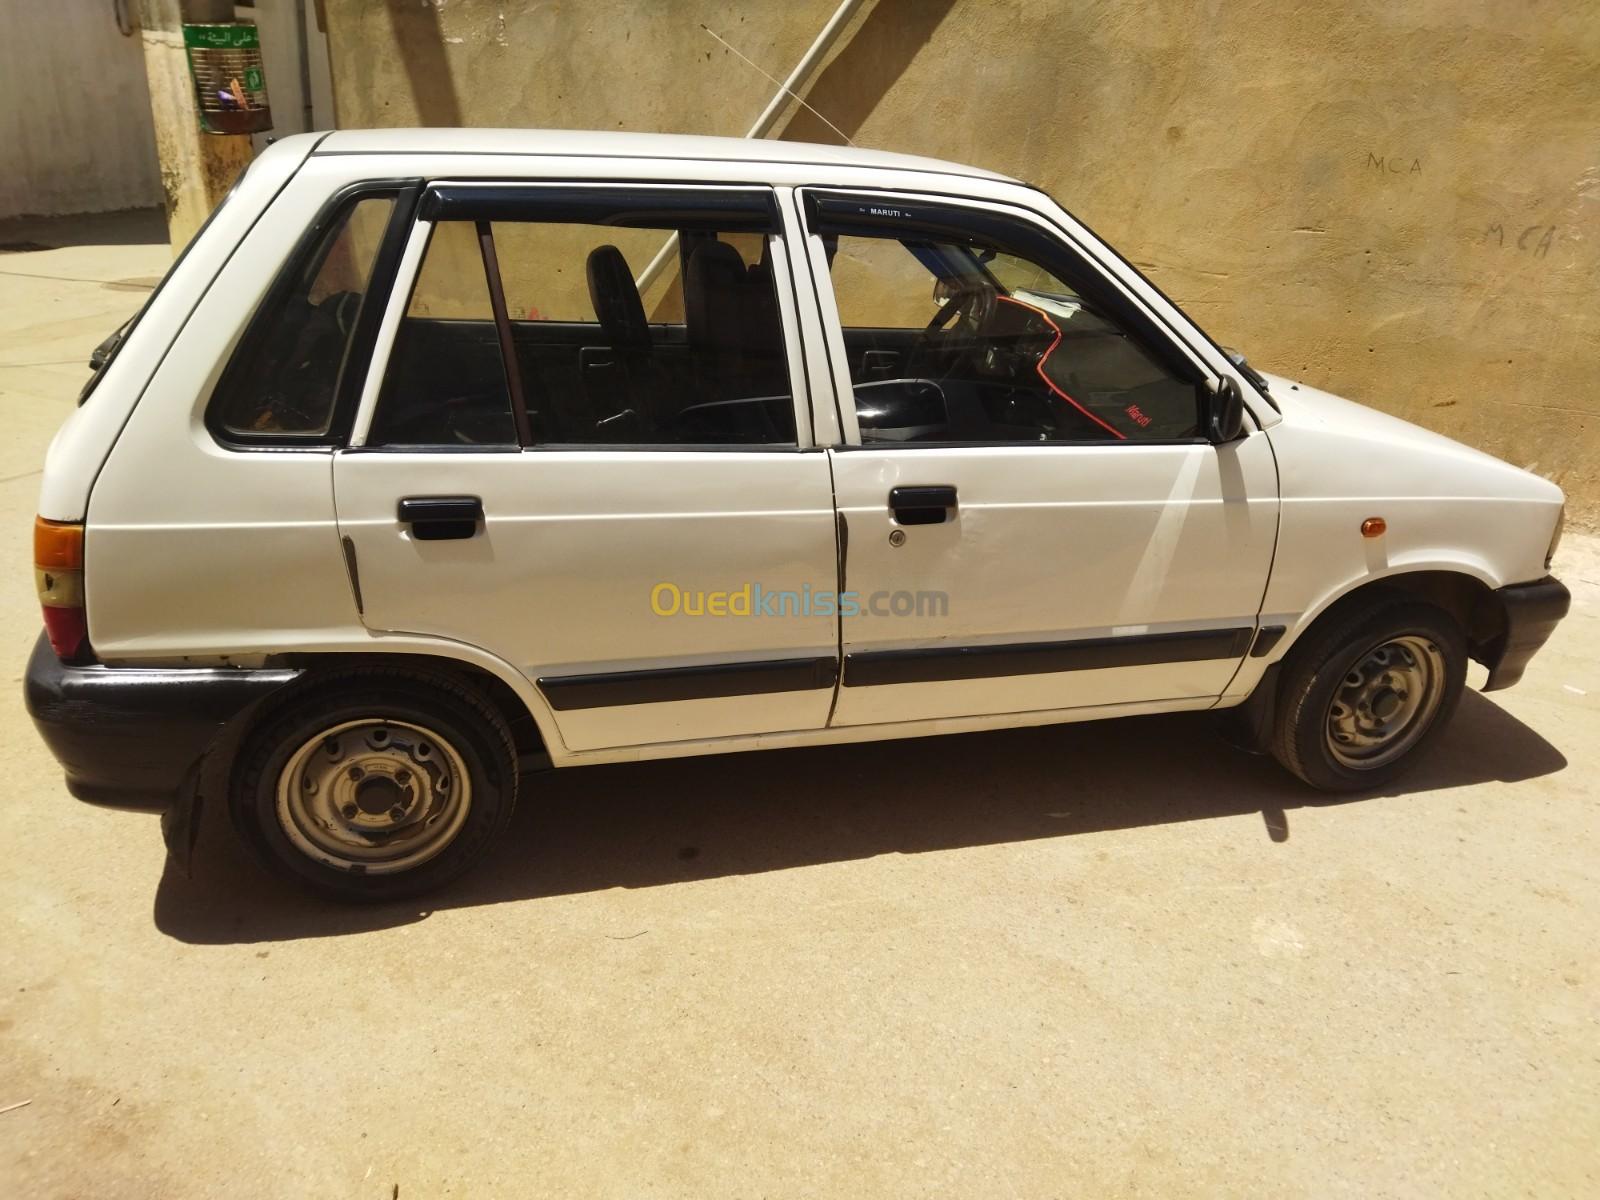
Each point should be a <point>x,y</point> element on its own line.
<point>1317,672</point>
<point>450,730</point>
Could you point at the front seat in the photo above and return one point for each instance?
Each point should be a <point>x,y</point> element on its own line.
<point>717,316</point>
<point>616,300</point>
<point>617,385</point>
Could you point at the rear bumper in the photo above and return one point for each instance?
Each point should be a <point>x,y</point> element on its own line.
<point>129,736</point>
<point>1532,611</point>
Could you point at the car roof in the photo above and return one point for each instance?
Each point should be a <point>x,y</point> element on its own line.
<point>612,144</point>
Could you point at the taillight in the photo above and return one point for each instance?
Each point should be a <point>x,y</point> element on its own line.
<point>58,574</point>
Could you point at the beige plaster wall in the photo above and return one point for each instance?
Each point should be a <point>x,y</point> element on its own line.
<point>1396,201</point>
<point>75,128</point>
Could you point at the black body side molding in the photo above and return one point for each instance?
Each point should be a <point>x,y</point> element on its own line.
<point>875,667</point>
<point>1266,638</point>
<point>567,692</point>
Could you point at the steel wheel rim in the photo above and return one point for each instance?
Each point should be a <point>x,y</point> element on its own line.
<point>1385,702</point>
<point>373,795</point>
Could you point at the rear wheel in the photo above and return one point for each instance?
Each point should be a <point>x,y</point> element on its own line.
<point>1365,694</point>
<point>375,784</point>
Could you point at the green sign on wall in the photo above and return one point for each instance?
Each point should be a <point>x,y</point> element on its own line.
<point>229,84</point>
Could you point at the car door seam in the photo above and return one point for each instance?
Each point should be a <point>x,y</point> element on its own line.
<point>1272,559</point>
<point>841,542</point>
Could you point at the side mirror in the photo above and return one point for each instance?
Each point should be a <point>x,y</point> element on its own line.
<point>1225,411</point>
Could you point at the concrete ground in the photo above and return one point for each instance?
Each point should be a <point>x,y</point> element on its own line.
<point>1094,960</point>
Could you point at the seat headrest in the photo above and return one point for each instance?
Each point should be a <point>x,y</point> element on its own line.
<point>616,300</point>
<point>715,295</point>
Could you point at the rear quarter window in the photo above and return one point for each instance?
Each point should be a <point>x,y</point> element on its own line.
<point>283,383</point>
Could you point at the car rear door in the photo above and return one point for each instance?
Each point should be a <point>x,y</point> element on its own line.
<point>599,482</point>
<point>1034,518</point>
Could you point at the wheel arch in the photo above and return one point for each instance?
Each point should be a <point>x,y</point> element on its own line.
<point>1467,595</point>
<point>525,726</point>
<point>212,771</point>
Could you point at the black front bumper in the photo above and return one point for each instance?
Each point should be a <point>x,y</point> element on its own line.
<point>130,736</point>
<point>1532,611</point>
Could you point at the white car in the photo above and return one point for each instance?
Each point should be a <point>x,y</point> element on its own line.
<point>441,453</point>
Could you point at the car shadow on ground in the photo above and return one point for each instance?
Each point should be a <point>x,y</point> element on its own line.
<point>641,825</point>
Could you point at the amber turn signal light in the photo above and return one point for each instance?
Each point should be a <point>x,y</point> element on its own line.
<point>1374,527</point>
<point>57,544</point>
<point>58,577</point>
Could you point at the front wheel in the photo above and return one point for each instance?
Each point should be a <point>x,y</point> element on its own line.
<point>1362,697</point>
<point>375,784</point>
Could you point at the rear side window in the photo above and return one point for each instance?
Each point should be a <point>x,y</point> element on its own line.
<point>283,382</point>
<point>610,318</point>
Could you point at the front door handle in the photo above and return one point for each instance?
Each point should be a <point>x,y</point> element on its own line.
<point>880,364</point>
<point>922,505</point>
<point>441,518</point>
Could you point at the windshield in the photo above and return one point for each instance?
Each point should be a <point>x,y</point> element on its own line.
<point>1019,275</point>
<point>1151,284</point>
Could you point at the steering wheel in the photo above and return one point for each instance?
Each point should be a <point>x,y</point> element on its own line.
<point>968,309</point>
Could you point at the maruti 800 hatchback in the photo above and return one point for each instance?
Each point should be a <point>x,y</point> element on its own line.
<point>439,452</point>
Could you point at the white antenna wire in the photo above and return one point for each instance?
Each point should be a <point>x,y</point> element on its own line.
<point>782,86</point>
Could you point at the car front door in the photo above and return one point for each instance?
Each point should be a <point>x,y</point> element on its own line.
<point>600,481</point>
<point>1033,517</point>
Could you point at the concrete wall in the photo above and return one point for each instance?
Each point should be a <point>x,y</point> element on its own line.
<point>75,129</point>
<point>280,23</point>
<point>1398,200</point>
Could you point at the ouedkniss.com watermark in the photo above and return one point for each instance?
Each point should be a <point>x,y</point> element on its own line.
<point>754,600</point>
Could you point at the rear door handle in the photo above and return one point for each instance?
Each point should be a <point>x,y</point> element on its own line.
<point>922,505</point>
<point>441,518</point>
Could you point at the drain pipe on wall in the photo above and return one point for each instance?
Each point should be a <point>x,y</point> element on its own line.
<point>787,90</point>
<point>802,70</point>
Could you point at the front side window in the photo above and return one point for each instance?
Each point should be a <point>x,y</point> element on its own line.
<point>626,328</point>
<point>283,382</point>
<point>957,339</point>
